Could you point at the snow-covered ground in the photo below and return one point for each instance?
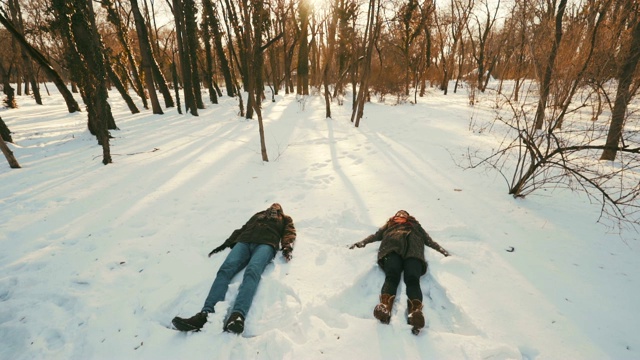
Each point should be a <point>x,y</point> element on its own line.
<point>96,260</point>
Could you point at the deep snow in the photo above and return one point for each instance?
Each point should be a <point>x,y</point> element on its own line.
<point>98,259</point>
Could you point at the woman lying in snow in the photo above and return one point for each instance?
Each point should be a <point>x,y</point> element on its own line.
<point>253,246</point>
<point>402,249</point>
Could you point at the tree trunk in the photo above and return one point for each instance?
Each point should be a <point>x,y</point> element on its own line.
<point>193,45</point>
<point>5,133</point>
<point>176,85</point>
<point>545,85</point>
<point>208,70</point>
<point>87,66</point>
<point>113,77</point>
<point>185,61</point>
<point>123,37</point>
<point>623,94</point>
<point>13,163</point>
<point>8,90</point>
<point>331,44</point>
<point>217,40</point>
<point>303,50</point>
<point>147,56</point>
<point>371,35</point>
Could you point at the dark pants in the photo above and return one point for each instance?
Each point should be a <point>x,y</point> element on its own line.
<point>393,267</point>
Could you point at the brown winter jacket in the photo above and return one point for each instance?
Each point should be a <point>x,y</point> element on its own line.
<point>279,232</point>
<point>406,239</point>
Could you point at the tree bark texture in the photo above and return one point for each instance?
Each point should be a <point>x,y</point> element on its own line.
<point>146,55</point>
<point>623,93</point>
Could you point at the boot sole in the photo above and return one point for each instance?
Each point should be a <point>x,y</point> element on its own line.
<point>182,326</point>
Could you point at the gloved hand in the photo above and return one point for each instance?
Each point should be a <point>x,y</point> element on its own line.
<point>286,252</point>
<point>359,244</point>
<point>217,250</point>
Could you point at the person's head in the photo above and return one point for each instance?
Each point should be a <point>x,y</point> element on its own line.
<point>401,216</point>
<point>274,210</point>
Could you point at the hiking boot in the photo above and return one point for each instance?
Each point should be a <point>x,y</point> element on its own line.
<point>194,323</point>
<point>415,317</point>
<point>235,323</point>
<point>382,311</point>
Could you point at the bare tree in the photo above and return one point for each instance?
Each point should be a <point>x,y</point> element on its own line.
<point>562,156</point>
<point>88,68</point>
<point>253,43</point>
<point>30,77</point>
<point>330,51</point>
<point>480,39</point>
<point>548,70</point>
<point>372,30</point>
<point>113,17</point>
<point>211,19</point>
<point>450,29</point>
<point>147,57</point>
<point>72,104</point>
<point>624,78</point>
<point>303,50</point>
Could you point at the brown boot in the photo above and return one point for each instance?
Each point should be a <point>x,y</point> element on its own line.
<point>382,311</point>
<point>415,318</point>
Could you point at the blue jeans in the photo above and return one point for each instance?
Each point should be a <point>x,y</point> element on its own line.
<point>255,258</point>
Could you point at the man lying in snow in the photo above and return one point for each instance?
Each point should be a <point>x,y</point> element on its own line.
<point>253,246</point>
<point>402,249</point>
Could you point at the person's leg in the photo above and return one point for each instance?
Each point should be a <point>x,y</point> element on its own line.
<point>261,256</point>
<point>393,266</point>
<point>237,259</point>
<point>412,274</point>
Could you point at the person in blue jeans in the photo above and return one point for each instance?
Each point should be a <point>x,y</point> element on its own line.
<point>253,246</point>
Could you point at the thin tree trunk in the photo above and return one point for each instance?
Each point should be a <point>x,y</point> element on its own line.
<point>217,40</point>
<point>623,94</point>
<point>545,86</point>
<point>113,77</point>
<point>147,57</point>
<point>5,133</point>
<point>10,101</point>
<point>176,85</point>
<point>11,159</point>
<point>208,70</point>
<point>114,18</point>
<point>193,45</point>
<point>303,50</point>
<point>371,35</point>
<point>185,62</point>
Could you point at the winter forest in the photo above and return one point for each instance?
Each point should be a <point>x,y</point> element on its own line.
<point>563,57</point>
<point>138,134</point>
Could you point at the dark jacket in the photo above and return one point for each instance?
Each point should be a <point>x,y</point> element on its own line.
<point>406,239</point>
<point>278,232</point>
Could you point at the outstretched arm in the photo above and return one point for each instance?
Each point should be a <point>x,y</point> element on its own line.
<point>227,243</point>
<point>288,237</point>
<point>431,243</point>
<point>369,239</point>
